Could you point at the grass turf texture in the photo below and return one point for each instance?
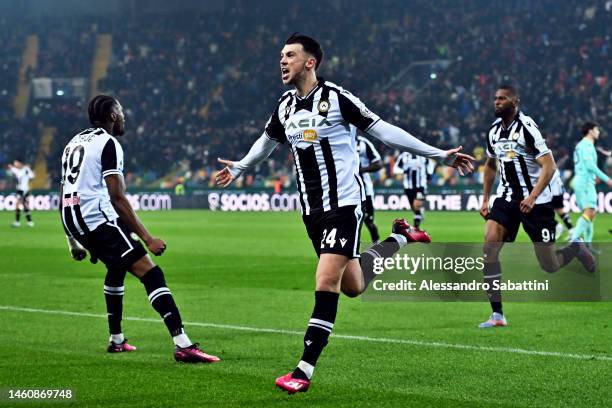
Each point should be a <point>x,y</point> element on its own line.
<point>257,270</point>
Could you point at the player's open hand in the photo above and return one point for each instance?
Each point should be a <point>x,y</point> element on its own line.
<point>156,246</point>
<point>461,161</point>
<point>224,177</point>
<point>527,205</point>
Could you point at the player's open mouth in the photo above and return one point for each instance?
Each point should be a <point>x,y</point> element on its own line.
<point>285,73</point>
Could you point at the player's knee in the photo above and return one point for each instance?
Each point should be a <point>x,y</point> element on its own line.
<point>548,267</point>
<point>491,249</point>
<point>351,292</point>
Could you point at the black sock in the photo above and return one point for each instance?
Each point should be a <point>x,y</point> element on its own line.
<point>567,253</point>
<point>319,328</point>
<point>567,220</point>
<point>418,217</point>
<point>28,215</point>
<point>383,249</point>
<point>492,274</point>
<point>113,294</point>
<point>162,301</point>
<point>369,222</point>
<point>17,215</point>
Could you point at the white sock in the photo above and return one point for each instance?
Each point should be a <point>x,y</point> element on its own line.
<point>182,340</point>
<point>401,240</point>
<point>117,338</point>
<point>308,369</point>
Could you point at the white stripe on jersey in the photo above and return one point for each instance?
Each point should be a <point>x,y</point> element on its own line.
<point>517,149</point>
<point>556,184</point>
<point>321,129</point>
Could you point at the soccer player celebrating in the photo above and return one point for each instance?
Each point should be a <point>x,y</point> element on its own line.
<point>369,162</point>
<point>416,170</point>
<point>526,167</point>
<point>319,120</point>
<point>585,173</point>
<point>23,174</point>
<point>98,217</point>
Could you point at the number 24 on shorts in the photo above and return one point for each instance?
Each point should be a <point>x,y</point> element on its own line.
<point>329,239</point>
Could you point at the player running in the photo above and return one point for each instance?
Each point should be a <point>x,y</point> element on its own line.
<point>23,174</point>
<point>417,171</point>
<point>526,166</point>
<point>319,121</point>
<point>369,162</point>
<point>583,183</point>
<point>98,217</point>
<point>558,190</point>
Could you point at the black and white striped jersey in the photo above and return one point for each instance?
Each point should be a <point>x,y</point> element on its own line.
<point>517,148</point>
<point>416,170</point>
<point>23,177</point>
<point>367,155</point>
<point>321,129</point>
<point>89,157</point>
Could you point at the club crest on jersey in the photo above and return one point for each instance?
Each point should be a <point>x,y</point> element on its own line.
<point>515,136</point>
<point>323,106</point>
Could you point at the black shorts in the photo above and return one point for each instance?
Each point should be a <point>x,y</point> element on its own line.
<point>368,207</point>
<point>539,224</point>
<point>415,194</point>
<point>113,244</point>
<point>23,195</point>
<point>336,231</point>
<point>557,201</point>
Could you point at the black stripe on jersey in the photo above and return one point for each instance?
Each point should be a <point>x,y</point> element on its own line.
<point>68,221</point>
<point>274,129</point>
<point>503,182</point>
<point>305,104</point>
<point>413,178</point>
<point>351,113</point>
<point>312,177</point>
<point>489,145</point>
<point>324,97</point>
<point>287,107</point>
<point>109,156</point>
<point>525,172</point>
<point>331,172</point>
<point>513,181</point>
<point>530,141</point>
<point>297,179</point>
<point>79,216</point>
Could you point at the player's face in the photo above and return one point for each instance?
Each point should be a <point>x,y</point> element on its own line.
<point>504,102</point>
<point>595,132</point>
<point>17,163</point>
<point>293,63</point>
<point>119,122</point>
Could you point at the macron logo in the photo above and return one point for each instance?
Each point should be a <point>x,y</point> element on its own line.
<point>342,242</point>
<point>308,342</point>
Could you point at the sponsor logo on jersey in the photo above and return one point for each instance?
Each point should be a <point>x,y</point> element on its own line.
<point>310,135</point>
<point>307,123</point>
<point>71,201</point>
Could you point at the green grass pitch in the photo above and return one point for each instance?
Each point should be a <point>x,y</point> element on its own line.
<point>232,272</point>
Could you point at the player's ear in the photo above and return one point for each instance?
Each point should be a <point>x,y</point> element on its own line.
<point>311,63</point>
<point>113,117</point>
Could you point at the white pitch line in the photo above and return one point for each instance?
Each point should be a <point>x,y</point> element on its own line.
<point>337,336</point>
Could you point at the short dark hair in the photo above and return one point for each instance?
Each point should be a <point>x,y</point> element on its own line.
<point>310,45</point>
<point>587,126</point>
<point>100,108</point>
<point>510,88</point>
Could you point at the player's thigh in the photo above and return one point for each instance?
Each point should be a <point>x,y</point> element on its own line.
<point>586,197</point>
<point>329,272</point>
<point>113,244</point>
<point>539,223</point>
<point>352,283</point>
<point>142,266</point>
<point>503,221</point>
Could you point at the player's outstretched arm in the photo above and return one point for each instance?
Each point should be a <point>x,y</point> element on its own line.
<point>116,191</point>
<point>547,162</point>
<point>400,139</point>
<point>261,149</point>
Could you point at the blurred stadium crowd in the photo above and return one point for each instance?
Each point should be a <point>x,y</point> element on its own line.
<point>200,86</point>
